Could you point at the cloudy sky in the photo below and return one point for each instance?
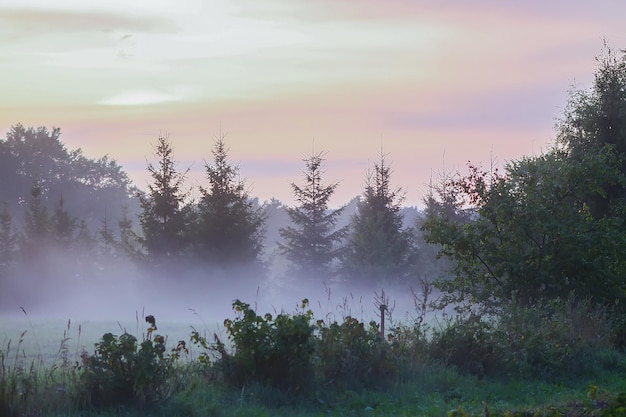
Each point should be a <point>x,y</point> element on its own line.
<point>433,83</point>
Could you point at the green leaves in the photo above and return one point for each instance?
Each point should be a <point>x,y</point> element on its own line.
<point>532,234</point>
<point>275,351</point>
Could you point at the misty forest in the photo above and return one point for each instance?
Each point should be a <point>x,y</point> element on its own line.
<point>505,294</point>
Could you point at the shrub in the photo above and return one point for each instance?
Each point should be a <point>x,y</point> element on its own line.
<point>123,372</point>
<point>466,343</point>
<point>353,355</point>
<point>409,347</point>
<point>559,337</point>
<point>267,350</point>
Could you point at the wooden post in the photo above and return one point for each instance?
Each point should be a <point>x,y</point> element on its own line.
<point>383,308</point>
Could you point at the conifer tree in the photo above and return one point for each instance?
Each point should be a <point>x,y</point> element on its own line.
<point>37,223</point>
<point>311,243</point>
<point>63,224</point>
<point>8,239</point>
<point>163,219</point>
<point>129,241</point>
<point>230,227</point>
<point>379,249</point>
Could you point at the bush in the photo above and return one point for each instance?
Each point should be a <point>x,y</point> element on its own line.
<point>267,350</point>
<point>351,354</point>
<point>123,372</point>
<point>551,339</point>
<point>466,343</point>
<point>560,337</point>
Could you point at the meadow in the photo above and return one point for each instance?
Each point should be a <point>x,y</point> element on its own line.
<point>458,370</point>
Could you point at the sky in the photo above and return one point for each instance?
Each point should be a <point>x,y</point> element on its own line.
<point>430,84</point>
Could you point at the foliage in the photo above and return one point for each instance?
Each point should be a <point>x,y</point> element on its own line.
<point>554,339</point>
<point>616,408</point>
<point>37,155</point>
<point>596,118</point>
<point>349,354</point>
<point>276,351</point>
<point>467,344</point>
<point>37,222</point>
<point>63,224</point>
<point>311,245</point>
<point>8,240</point>
<point>230,228</point>
<point>531,235</point>
<point>557,338</point>
<point>378,248</point>
<point>129,243</point>
<point>125,372</point>
<point>164,222</point>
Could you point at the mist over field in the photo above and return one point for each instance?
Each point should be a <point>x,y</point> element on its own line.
<point>187,294</point>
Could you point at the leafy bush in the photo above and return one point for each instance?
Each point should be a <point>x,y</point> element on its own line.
<point>267,350</point>
<point>123,372</point>
<point>466,343</point>
<point>351,354</point>
<point>554,338</point>
<point>409,347</point>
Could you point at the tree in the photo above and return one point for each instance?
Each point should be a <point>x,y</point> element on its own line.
<point>163,220</point>
<point>37,223</point>
<point>129,242</point>
<point>230,227</point>
<point>107,239</point>
<point>29,155</point>
<point>63,224</point>
<point>378,246</point>
<point>596,118</point>
<point>8,239</point>
<point>531,235</point>
<point>311,245</point>
<point>440,202</point>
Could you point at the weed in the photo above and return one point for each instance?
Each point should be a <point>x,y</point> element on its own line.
<point>18,381</point>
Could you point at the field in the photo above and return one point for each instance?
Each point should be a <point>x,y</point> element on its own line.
<point>424,387</point>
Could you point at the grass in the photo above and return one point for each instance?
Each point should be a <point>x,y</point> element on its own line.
<point>40,368</point>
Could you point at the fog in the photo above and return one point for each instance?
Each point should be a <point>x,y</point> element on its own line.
<point>48,289</point>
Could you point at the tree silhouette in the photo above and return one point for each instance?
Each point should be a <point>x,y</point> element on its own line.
<point>230,227</point>
<point>311,244</point>
<point>163,220</point>
<point>378,247</point>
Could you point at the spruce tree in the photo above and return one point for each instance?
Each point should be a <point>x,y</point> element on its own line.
<point>163,219</point>
<point>230,227</point>
<point>311,243</point>
<point>379,249</point>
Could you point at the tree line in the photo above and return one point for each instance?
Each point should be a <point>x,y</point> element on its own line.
<point>166,227</point>
<point>543,227</point>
